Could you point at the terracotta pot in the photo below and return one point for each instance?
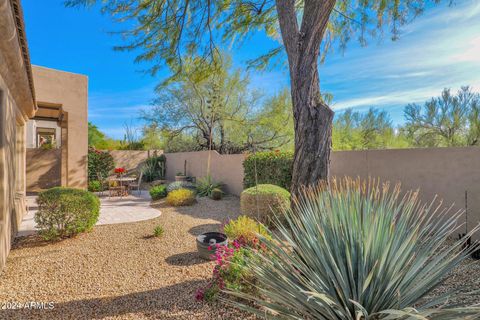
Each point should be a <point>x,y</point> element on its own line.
<point>180,178</point>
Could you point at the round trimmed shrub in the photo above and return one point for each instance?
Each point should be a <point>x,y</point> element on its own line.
<point>158,192</point>
<point>216,194</point>
<point>263,202</point>
<point>181,197</point>
<point>65,212</point>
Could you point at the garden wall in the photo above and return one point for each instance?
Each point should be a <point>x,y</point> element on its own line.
<point>451,173</point>
<point>225,168</point>
<point>43,169</point>
<point>131,159</point>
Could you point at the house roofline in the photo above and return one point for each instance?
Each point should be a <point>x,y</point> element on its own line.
<point>22,39</point>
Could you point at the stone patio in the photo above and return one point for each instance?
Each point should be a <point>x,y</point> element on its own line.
<point>132,208</point>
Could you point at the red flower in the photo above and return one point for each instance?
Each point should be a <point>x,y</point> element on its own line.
<point>119,170</point>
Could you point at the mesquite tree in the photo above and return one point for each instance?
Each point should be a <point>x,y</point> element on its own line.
<point>168,30</point>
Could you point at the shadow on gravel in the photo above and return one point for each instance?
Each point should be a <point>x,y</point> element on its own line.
<point>172,302</point>
<point>185,259</point>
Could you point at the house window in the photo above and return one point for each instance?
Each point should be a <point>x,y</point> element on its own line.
<point>46,138</point>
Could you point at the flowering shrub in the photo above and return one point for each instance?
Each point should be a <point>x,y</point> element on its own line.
<point>231,270</point>
<point>245,230</point>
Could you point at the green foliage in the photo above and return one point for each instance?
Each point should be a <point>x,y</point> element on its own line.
<point>155,168</point>
<point>65,212</point>
<point>99,140</point>
<point>353,130</point>
<point>271,168</point>
<point>217,194</point>
<point>181,197</point>
<point>448,120</point>
<point>246,230</point>
<point>205,186</point>
<point>158,231</point>
<point>264,203</point>
<point>215,106</point>
<point>94,186</point>
<point>158,192</point>
<point>100,164</point>
<point>180,185</point>
<point>358,250</point>
<point>169,32</point>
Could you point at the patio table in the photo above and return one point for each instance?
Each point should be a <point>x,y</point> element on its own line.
<point>124,181</point>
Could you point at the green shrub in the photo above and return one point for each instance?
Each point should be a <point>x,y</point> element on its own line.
<point>216,194</point>
<point>272,168</point>
<point>353,250</point>
<point>94,186</point>
<point>206,185</point>
<point>100,164</point>
<point>245,230</point>
<point>181,197</point>
<point>64,212</point>
<point>158,192</point>
<point>263,202</point>
<point>154,168</point>
<point>158,231</point>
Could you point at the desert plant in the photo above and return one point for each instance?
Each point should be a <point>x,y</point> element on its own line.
<point>264,202</point>
<point>158,231</point>
<point>100,164</point>
<point>154,168</point>
<point>245,230</point>
<point>181,197</point>
<point>94,186</point>
<point>64,212</point>
<point>158,192</point>
<point>180,185</point>
<point>357,250</point>
<point>216,194</point>
<point>272,167</point>
<point>206,185</point>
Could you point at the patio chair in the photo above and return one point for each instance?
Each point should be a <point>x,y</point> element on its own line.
<point>137,184</point>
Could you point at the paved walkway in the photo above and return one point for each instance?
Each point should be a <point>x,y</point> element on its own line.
<point>114,210</point>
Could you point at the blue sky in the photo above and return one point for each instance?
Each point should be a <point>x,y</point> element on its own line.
<point>440,49</point>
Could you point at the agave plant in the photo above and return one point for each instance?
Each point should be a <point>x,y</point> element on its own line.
<point>206,185</point>
<point>358,250</point>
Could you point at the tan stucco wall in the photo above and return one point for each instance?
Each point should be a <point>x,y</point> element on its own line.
<point>225,168</point>
<point>12,192</point>
<point>69,90</point>
<point>16,105</point>
<point>44,171</point>
<point>131,160</point>
<point>446,172</point>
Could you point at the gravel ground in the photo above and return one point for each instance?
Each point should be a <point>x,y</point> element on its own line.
<point>122,272</point>
<point>119,271</point>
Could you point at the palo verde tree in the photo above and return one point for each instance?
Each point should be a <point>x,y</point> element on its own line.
<point>167,31</point>
<point>445,121</point>
<point>214,106</point>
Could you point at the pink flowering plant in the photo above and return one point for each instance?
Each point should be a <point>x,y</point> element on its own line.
<point>231,264</point>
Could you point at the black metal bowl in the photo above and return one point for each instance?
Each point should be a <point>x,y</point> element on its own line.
<point>210,240</point>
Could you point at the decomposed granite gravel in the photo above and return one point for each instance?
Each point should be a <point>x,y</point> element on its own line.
<point>122,272</point>
<point>118,271</point>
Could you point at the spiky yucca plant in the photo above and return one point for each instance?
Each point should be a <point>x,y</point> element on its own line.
<point>358,250</point>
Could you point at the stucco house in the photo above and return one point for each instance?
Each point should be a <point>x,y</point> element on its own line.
<point>36,103</point>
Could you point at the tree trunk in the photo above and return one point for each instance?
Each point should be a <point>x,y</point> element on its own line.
<point>313,140</point>
<point>313,118</point>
